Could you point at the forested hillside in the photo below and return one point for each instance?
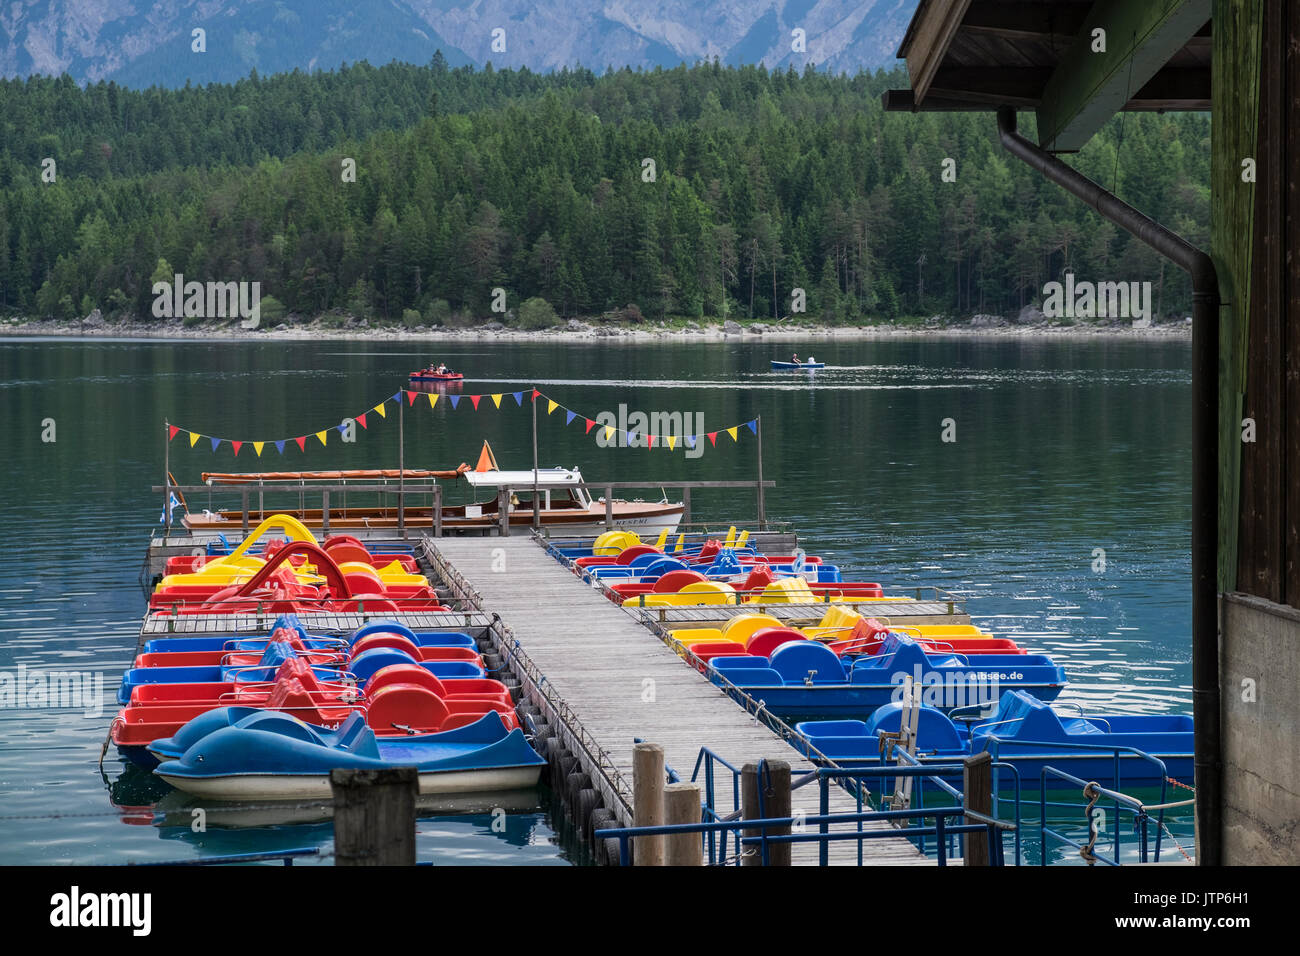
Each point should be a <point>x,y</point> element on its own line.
<point>468,180</point>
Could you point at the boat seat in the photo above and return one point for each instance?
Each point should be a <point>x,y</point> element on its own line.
<point>934,731</point>
<point>675,580</point>
<point>765,641</point>
<point>383,627</point>
<point>396,641</point>
<point>405,673</point>
<point>355,736</point>
<point>800,661</point>
<point>406,705</point>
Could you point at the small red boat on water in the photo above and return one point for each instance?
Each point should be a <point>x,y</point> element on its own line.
<point>435,374</point>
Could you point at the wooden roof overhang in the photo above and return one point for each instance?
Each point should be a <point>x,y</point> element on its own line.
<point>1041,55</point>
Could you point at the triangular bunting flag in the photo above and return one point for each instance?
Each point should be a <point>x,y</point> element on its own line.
<point>551,406</point>
<point>536,394</point>
<point>519,398</point>
<point>258,446</point>
<point>215,443</point>
<point>753,426</point>
<point>650,439</point>
<point>396,396</point>
<point>342,427</point>
<point>194,437</point>
<point>496,399</point>
<point>454,399</point>
<point>732,432</point>
<point>609,432</point>
<point>433,400</point>
<point>279,446</point>
<point>569,416</point>
<point>590,422</point>
<point>236,445</point>
<point>361,419</point>
<point>672,442</point>
<point>380,409</point>
<point>410,397</point>
<point>322,436</point>
<point>690,441</point>
<point>713,439</point>
<point>302,443</point>
<point>171,432</point>
<point>474,400</point>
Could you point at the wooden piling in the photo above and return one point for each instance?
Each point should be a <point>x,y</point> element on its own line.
<point>682,806</point>
<point>648,802</point>
<point>374,816</point>
<point>776,802</point>
<point>977,790</point>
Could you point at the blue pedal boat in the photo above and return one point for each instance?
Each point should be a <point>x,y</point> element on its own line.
<point>290,622</point>
<point>268,755</point>
<point>808,679</point>
<point>1030,735</point>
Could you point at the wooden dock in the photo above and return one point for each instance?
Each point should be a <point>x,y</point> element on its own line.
<point>606,680</point>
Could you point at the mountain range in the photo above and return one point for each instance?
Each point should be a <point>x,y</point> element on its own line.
<point>140,43</point>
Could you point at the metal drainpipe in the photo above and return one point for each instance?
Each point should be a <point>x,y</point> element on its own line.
<point>1205,463</point>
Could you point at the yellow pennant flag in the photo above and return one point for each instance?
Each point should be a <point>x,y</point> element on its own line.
<point>257,447</point>
<point>551,406</point>
<point>194,437</point>
<point>380,409</point>
<point>672,440</point>
<point>433,399</point>
<point>609,432</point>
<point>496,400</point>
<point>322,436</point>
<point>732,432</point>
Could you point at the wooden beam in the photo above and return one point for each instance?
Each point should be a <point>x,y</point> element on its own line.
<point>1087,87</point>
<point>935,23</point>
<point>1021,20</point>
<point>975,89</point>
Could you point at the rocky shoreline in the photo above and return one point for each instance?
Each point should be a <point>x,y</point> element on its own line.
<point>576,330</point>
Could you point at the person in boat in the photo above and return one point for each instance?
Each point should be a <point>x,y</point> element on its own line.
<point>442,368</point>
<point>796,359</point>
<point>811,360</point>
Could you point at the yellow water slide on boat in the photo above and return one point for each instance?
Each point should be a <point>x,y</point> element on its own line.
<point>238,566</point>
<point>611,544</point>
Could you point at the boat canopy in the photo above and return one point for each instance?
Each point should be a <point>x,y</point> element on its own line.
<point>546,477</point>
<point>225,478</point>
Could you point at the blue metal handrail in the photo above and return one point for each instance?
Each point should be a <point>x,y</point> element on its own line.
<point>708,758</point>
<point>625,834</point>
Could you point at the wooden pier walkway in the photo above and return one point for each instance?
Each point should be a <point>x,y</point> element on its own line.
<point>620,682</point>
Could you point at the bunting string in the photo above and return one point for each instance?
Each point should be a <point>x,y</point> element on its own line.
<point>610,433</point>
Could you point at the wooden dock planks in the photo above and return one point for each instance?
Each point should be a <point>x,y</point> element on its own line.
<point>623,683</point>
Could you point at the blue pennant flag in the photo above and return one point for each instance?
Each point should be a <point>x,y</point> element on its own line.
<point>454,399</point>
<point>397,397</point>
<point>753,426</point>
<point>279,446</point>
<point>690,441</point>
<point>215,443</point>
<point>571,416</point>
<point>343,429</point>
<point>519,399</point>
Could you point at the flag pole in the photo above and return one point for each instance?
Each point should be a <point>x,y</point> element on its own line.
<point>167,476</point>
<point>762,517</point>
<point>401,465</point>
<point>537,518</point>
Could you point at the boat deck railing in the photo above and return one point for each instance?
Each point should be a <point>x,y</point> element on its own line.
<point>402,490</point>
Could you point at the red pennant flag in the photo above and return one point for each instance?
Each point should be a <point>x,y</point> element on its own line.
<point>302,443</point>
<point>171,432</point>
<point>713,439</point>
<point>589,424</point>
<point>236,445</point>
<point>361,420</point>
<point>536,394</point>
<point>651,440</point>
<point>474,400</point>
<point>410,397</point>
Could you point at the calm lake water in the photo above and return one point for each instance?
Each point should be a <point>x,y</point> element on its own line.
<point>1062,448</point>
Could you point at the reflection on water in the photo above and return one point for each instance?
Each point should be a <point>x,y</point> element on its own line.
<point>1063,448</point>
